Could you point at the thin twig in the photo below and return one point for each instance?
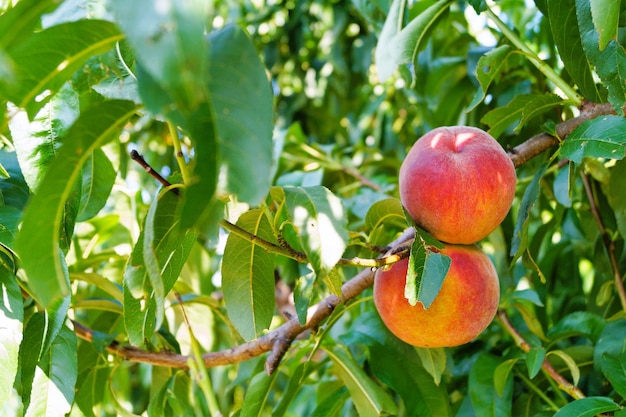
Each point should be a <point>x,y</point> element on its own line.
<point>563,383</point>
<point>609,245</point>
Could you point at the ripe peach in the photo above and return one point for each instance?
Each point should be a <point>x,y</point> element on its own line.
<point>466,304</point>
<point>457,183</point>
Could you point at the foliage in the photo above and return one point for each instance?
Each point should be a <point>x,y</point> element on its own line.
<point>238,283</point>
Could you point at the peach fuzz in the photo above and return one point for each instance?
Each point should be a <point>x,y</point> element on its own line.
<point>465,306</point>
<point>457,183</point>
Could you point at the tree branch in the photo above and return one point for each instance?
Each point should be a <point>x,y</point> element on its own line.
<point>279,340</point>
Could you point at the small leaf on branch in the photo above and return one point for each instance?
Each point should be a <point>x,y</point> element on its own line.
<point>603,137</point>
<point>427,270</point>
<point>488,68</point>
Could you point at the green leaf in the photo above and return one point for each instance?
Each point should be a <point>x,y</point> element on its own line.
<point>48,58</point>
<point>248,276</point>
<point>257,395</point>
<point>617,195</point>
<point>18,22</point>
<point>605,14</point>
<point>488,68</point>
<point>11,318</point>
<point>303,294</point>
<point>393,24</point>
<point>433,361</point>
<point>567,37</point>
<point>242,99</point>
<point>522,108</point>
<point>520,234</point>
<point>37,143</point>
<point>578,323</point>
<point>570,362</point>
<point>38,243</point>
<point>485,399</point>
<point>369,398</point>
<point>97,182</point>
<point>587,407</point>
<point>502,375</point>
<point>603,137</point>
<point>614,368</point>
<point>527,295</point>
<point>609,63</point>
<point>406,44</point>
<point>55,377</point>
<point>534,361</point>
<point>426,272</point>
<point>318,218</point>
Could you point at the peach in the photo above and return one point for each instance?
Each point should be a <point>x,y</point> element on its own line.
<point>457,183</point>
<point>465,306</point>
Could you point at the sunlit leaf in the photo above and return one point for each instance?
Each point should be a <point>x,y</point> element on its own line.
<point>609,63</point>
<point>521,109</point>
<point>248,276</point>
<point>605,14</point>
<point>426,272</point>
<point>570,362</point>
<point>18,22</point>
<point>488,68</point>
<point>257,395</point>
<point>55,376</point>
<point>47,59</point>
<point>39,241</point>
<point>11,318</point>
<point>603,137</point>
<point>502,375</point>
<point>369,398</point>
<point>587,407</point>
<point>434,361</point>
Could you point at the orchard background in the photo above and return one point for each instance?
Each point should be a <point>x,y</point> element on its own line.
<point>278,128</point>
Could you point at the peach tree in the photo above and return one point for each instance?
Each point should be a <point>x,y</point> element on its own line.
<point>195,197</point>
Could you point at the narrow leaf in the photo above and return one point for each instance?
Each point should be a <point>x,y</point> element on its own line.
<point>587,407</point>
<point>520,234</point>
<point>502,375</point>
<point>617,195</point>
<point>47,59</point>
<point>11,318</point>
<point>393,24</point>
<point>248,276</point>
<point>603,137</point>
<point>405,45</point>
<point>567,37</point>
<point>38,243</point>
<point>98,177</point>
<point>434,361</point>
<point>605,14</point>
<point>571,364</point>
<point>369,398</point>
<point>521,109</point>
<point>488,68</point>
<point>534,361</point>
<point>257,395</point>
<point>19,22</point>
<point>426,272</point>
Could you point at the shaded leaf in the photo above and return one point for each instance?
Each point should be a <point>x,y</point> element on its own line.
<point>485,399</point>
<point>433,361</point>
<point>257,394</point>
<point>502,375</point>
<point>617,195</point>
<point>534,360</point>
<point>520,234</point>
<point>567,37</point>
<point>614,368</point>
<point>603,137</point>
<point>248,276</point>
<point>46,60</point>
<point>587,407</point>
<point>578,323</point>
<point>98,177</point>
<point>369,398</point>
<point>38,243</point>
